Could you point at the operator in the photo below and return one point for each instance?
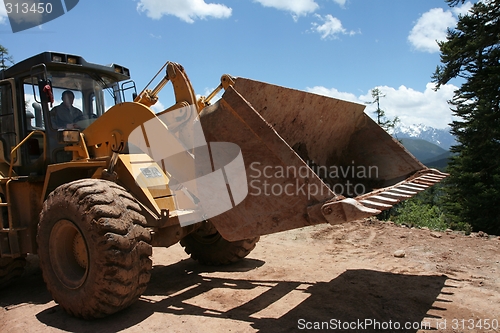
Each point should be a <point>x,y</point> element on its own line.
<point>65,115</point>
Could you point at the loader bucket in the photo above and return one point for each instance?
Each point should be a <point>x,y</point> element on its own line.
<point>309,159</point>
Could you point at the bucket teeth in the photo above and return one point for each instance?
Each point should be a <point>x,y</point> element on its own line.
<point>376,205</point>
<point>400,196</point>
<point>388,197</point>
<point>417,185</point>
<point>410,193</point>
<point>411,187</point>
<point>383,199</point>
<point>423,182</point>
<point>434,178</point>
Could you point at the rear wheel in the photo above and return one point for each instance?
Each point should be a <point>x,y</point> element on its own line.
<point>11,269</point>
<point>94,250</point>
<point>208,247</point>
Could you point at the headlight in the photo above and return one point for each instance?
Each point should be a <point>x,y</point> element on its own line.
<point>57,58</point>
<point>69,136</point>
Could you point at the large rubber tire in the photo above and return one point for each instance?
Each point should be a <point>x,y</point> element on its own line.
<point>11,269</point>
<point>212,249</point>
<point>93,247</point>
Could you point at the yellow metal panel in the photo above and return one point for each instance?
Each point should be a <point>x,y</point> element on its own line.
<point>166,203</point>
<point>114,127</point>
<point>147,180</point>
<point>58,174</point>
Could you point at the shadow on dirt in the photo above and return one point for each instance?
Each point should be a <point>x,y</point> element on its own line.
<point>28,289</point>
<point>354,295</point>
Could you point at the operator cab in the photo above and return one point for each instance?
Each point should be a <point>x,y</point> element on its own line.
<point>31,100</point>
<point>89,97</point>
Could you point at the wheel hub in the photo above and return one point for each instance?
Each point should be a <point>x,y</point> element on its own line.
<point>68,254</point>
<point>80,251</point>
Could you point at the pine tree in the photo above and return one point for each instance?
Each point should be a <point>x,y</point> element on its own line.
<point>382,121</point>
<point>5,58</point>
<point>472,52</point>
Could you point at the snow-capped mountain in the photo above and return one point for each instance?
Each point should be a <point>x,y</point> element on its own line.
<point>441,137</point>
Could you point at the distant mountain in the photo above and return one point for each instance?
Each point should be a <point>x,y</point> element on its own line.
<point>427,152</point>
<point>439,162</point>
<point>441,137</point>
<point>423,150</point>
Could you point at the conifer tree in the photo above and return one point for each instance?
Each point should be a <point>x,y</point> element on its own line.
<point>471,52</point>
<point>5,58</point>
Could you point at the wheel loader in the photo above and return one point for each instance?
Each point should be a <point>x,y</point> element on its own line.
<point>93,196</point>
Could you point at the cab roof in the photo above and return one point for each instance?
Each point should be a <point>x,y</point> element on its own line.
<point>56,61</point>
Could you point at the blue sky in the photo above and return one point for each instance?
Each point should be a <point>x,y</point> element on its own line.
<point>339,48</point>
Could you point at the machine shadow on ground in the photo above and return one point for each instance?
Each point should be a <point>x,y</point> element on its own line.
<point>354,295</point>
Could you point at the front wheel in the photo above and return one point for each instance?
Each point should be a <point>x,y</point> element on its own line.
<point>93,247</point>
<point>208,247</point>
<point>10,269</point>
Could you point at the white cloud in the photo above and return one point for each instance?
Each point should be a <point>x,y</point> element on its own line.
<point>330,28</point>
<point>158,107</point>
<point>432,26</point>
<point>341,3</point>
<point>296,7</point>
<point>462,10</point>
<point>3,14</point>
<point>335,94</point>
<point>411,106</point>
<point>186,10</point>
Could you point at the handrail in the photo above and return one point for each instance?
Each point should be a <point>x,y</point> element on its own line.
<point>24,141</point>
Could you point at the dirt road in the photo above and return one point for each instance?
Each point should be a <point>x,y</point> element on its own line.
<point>328,277</point>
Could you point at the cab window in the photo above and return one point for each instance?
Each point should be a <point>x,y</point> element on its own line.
<point>8,136</point>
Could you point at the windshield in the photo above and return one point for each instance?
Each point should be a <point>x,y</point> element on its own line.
<point>79,99</point>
